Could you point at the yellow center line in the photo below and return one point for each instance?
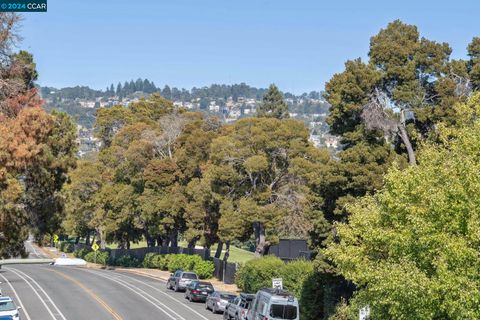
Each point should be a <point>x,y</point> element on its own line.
<point>115,315</point>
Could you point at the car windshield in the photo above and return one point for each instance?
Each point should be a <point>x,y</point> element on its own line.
<point>280,311</point>
<point>206,287</point>
<point>226,296</point>
<point>189,276</point>
<point>7,306</point>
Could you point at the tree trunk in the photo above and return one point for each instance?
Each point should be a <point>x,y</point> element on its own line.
<point>218,253</point>
<point>87,239</point>
<point>191,244</point>
<point>77,240</point>
<point>174,239</point>
<point>99,235</point>
<point>402,132</point>
<point>227,251</point>
<point>150,240</point>
<point>166,241</point>
<point>159,241</point>
<point>261,244</point>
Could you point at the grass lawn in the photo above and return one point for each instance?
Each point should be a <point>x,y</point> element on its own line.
<point>236,254</point>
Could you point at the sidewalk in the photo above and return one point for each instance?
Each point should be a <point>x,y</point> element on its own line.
<point>151,273</point>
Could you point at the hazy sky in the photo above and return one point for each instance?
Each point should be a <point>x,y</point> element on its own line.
<point>297,44</point>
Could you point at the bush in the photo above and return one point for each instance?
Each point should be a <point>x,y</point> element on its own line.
<point>294,275</point>
<point>81,253</point>
<point>258,273</point>
<point>161,261</point>
<point>183,261</point>
<point>148,260</point>
<point>102,257</point>
<point>126,261</point>
<point>204,269</point>
<point>68,247</point>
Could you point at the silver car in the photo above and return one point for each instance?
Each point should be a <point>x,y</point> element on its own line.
<point>218,300</point>
<point>180,280</point>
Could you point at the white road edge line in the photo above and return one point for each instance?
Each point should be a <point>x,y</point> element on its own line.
<point>166,294</point>
<point>18,297</point>
<point>48,297</point>
<point>141,293</point>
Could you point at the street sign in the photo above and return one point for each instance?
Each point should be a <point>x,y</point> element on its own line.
<point>95,247</point>
<point>364,313</point>
<point>277,283</point>
<point>55,238</point>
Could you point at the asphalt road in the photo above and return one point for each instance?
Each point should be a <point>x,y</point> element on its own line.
<point>53,292</point>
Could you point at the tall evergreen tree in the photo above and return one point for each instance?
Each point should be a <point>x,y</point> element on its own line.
<point>273,104</point>
<point>119,89</point>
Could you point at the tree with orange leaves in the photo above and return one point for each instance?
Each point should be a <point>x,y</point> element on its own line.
<point>36,149</point>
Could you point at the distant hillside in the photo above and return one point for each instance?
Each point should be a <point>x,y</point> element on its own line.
<point>82,101</point>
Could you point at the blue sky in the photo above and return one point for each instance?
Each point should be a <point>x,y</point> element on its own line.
<point>297,44</point>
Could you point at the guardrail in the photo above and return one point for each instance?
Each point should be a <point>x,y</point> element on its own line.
<point>25,261</point>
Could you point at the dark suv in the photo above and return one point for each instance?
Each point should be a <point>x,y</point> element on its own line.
<point>237,309</point>
<point>198,290</point>
<point>180,280</point>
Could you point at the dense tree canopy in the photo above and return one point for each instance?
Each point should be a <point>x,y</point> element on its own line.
<point>412,249</point>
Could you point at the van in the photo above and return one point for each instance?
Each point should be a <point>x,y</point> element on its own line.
<point>273,304</point>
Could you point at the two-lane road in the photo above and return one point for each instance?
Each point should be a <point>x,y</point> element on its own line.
<point>70,293</point>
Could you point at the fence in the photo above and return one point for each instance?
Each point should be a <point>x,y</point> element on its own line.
<point>288,249</point>
<point>224,271</point>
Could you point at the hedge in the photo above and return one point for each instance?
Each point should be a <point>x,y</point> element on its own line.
<point>318,292</point>
<point>168,262</point>
<point>81,253</point>
<point>102,257</point>
<point>127,261</point>
<point>172,262</point>
<point>258,273</point>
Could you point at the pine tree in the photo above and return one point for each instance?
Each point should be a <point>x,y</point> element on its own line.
<point>119,89</point>
<point>273,104</point>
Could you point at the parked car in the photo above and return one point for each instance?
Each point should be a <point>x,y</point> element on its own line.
<point>8,309</point>
<point>218,300</point>
<point>237,309</point>
<point>198,291</point>
<point>180,280</point>
<point>272,304</point>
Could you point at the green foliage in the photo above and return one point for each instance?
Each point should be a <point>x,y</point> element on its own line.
<point>183,261</point>
<point>148,260</point>
<point>270,160</point>
<point>102,257</point>
<point>172,262</point>
<point>81,253</point>
<point>295,274</point>
<point>204,269</point>
<point>45,180</point>
<point>258,273</point>
<point>412,249</point>
<point>127,261</point>
<point>415,73</point>
<point>161,261</point>
<point>65,246</point>
<point>273,104</point>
